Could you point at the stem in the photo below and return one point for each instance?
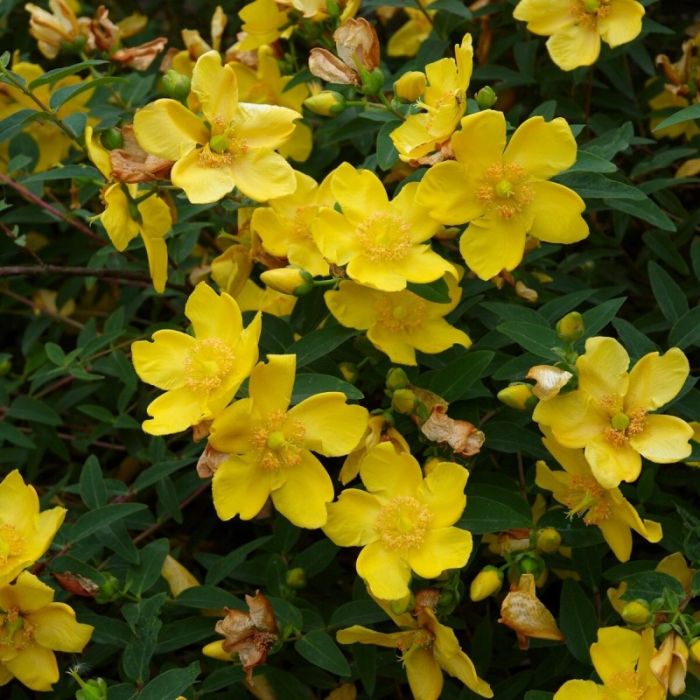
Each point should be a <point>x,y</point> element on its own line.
<point>387,104</point>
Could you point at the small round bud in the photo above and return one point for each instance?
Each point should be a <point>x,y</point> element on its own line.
<point>94,689</point>
<point>288,280</point>
<point>636,612</point>
<point>531,564</point>
<point>695,651</point>
<point>109,589</point>
<point>410,86</point>
<point>112,138</point>
<point>396,378</point>
<point>327,103</point>
<point>570,327</point>
<point>403,401</point>
<point>372,81</point>
<point>518,396</point>
<point>176,85</point>
<point>5,365</point>
<point>548,540</point>
<point>487,582</point>
<point>296,578</point>
<point>486,97</point>
<point>349,371</point>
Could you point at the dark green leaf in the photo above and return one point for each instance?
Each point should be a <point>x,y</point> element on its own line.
<point>577,620</point>
<point>452,381</point>
<point>493,509</point>
<point>670,297</point>
<point>319,649</point>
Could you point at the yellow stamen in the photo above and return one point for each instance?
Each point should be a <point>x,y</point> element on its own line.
<point>208,364</point>
<point>403,523</point>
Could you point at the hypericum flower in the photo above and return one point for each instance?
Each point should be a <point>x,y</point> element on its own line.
<point>527,615</point>
<point>231,146</point>
<point>270,447</point>
<point>404,521</point>
<point>443,102</point>
<point>503,191</point>
<point>284,226</point>
<point>125,217</point>
<point>199,374</point>
<point>576,27</point>
<point>25,532</point>
<point>382,242</point>
<point>407,39</point>
<point>580,492</point>
<point>263,23</point>
<point>178,577</point>
<point>621,659</point>
<point>55,28</point>
<point>670,664</point>
<point>610,413</point>
<point>427,649</point>
<point>32,628</point>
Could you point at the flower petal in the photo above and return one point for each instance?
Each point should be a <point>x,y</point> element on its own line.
<point>576,690</point>
<point>35,667</point>
<point>423,672</point>
<point>19,503</point>
<point>265,126</point>
<point>544,16</point>
<point>231,429</point>
<point>448,192</point>
<point>655,380</point>
<point>443,548</point>
<point>602,369</point>
<point>353,305</point>
<point>395,345</point>
<point>387,473</point>
<point>363,635</point>
<point>161,362</point>
<point>359,192</point>
<point>442,491</point>
<point>335,236</point>
<point>481,140</point>
<point>217,90</point>
<point>574,422</point>
<point>263,174</point>
<point>203,182</point>
<point>271,384</point>
<point>174,411</point>
<point>557,211</point>
<point>573,46</point>
<point>120,226</point>
<point>157,254</point>
<point>351,518</point>
<point>404,205</point>
<point>436,335</point>
<point>664,440</point>
<point>617,534</point>
<point>240,487</point>
<point>611,465</point>
<point>55,627</point>
<point>616,651</point>
<point>621,23</point>
<point>27,593</point>
<point>385,573</point>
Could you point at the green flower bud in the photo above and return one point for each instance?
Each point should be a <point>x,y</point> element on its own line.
<point>372,81</point>
<point>112,138</point>
<point>396,378</point>
<point>570,327</point>
<point>327,103</point>
<point>176,85</point>
<point>486,97</point>
<point>403,401</point>
<point>94,689</point>
<point>296,578</point>
<point>636,612</point>
<point>548,540</point>
<point>109,589</point>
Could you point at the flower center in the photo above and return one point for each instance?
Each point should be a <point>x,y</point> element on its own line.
<point>11,543</point>
<point>301,223</point>
<point>624,685</point>
<point>208,364</point>
<point>587,12</point>
<point>279,441</point>
<point>587,499</point>
<point>222,149</point>
<point>504,189</point>
<point>403,523</point>
<point>622,426</point>
<point>15,631</point>
<point>400,311</point>
<point>384,237</point>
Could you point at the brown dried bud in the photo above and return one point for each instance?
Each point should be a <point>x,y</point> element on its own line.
<point>105,34</point>
<point>132,164</point>
<point>550,380</point>
<point>140,57</point>
<point>209,462</point>
<point>323,64</point>
<point>76,584</point>
<point>464,438</point>
<point>357,44</point>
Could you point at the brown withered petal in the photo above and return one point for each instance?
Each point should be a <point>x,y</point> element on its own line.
<point>357,44</point>
<point>261,612</point>
<point>209,462</point>
<point>140,57</point>
<point>426,598</point>
<point>463,437</point>
<point>132,164</point>
<point>76,584</point>
<point>549,380</point>
<point>670,664</point>
<point>105,33</point>
<point>323,64</point>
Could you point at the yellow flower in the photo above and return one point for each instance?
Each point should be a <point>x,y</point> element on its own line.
<point>177,576</point>
<point>610,412</point>
<point>606,508</point>
<point>267,85</point>
<point>25,532</point>
<point>263,24</point>
<point>382,242</point>
<point>231,146</point>
<point>284,226</point>
<point>255,298</point>
<point>411,85</point>
<point>663,101</point>
<point>621,658</point>
<point>443,102</point>
<point>398,323</point>
<point>408,38</point>
<point>503,191</point>
<point>576,27</point>
<point>199,374</point>
<point>404,522</point>
<point>270,447</point>
<point>670,664</point>
<point>32,627</point>
<point>427,649</point>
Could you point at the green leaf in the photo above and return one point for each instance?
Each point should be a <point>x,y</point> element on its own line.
<point>8,433</point>
<point>436,291</point>
<point>170,684</point>
<point>319,649</point>
<point>208,597</point>
<point>595,319</point>
<point>62,95</point>
<point>632,338</point>
<point>577,620</point>
<point>143,576</point>
<point>92,486</point>
<point>387,155</point>
<point>145,623</point>
<point>670,297</point>
<point>454,7</point>
<point>226,565</point>
<point>686,330</point>
<point>649,585</point>
<point>53,76</point>
<point>95,520</point>
<point>306,385</point>
<point>682,115</point>
<point>319,343</point>
<point>452,381</point>
<point>33,411</point>
<point>357,612</point>
<point>591,163</point>
<point>65,173</point>
<point>597,186</point>
<point>538,340</point>
<point>493,509</point>
<point>645,209</point>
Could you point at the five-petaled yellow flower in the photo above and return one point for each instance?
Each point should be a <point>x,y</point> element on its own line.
<point>32,628</point>
<point>199,374</point>
<point>232,145</point>
<point>580,492</point>
<point>382,242</point>
<point>404,521</point>
<point>575,27</point>
<point>427,648</point>
<point>25,532</point>
<point>270,447</point>
<point>621,658</point>
<point>398,323</point>
<point>610,412</point>
<point>502,191</point>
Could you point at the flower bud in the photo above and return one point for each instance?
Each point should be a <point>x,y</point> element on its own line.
<point>349,371</point>
<point>94,689</point>
<point>531,564</point>
<point>112,138</point>
<point>636,612</point>
<point>487,582</point>
<point>695,651</point>
<point>403,401</point>
<point>396,378</point>
<point>486,97</point>
<point>570,327</point>
<point>176,85</point>
<point>518,396</point>
<point>288,280</point>
<point>327,103</point>
<point>109,589</point>
<point>372,81</point>
<point>410,86</point>
<point>548,540</point>
<point>296,578</point>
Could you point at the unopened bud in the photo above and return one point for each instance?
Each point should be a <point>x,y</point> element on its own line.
<point>296,578</point>
<point>372,81</point>
<point>112,138</point>
<point>176,85</point>
<point>636,612</point>
<point>349,371</point>
<point>396,378</point>
<point>288,280</point>
<point>548,540</point>
<point>486,97</point>
<point>327,103</point>
<point>518,396</point>
<point>487,582</point>
<point>410,86</point>
<point>403,401</point>
<point>94,689</point>
<point>531,564</point>
<point>109,589</point>
<point>570,327</point>
<point>695,651</point>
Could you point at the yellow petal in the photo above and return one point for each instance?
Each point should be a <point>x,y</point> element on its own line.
<point>175,411</point>
<point>423,673</point>
<point>353,305</point>
<point>120,226</point>
<point>271,384</point>
<point>157,253</point>
<point>557,211</point>
<point>263,174</point>
<point>231,429</point>
<point>35,667</point>
<point>388,473</point>
<point>161,362</point>
<point>178,577</point>
<point>216,88</point>
<point>55,627</point>
<point>405,206</point>
<point>602,369</point>
<point>573,461</point>
<point>204,182</point>
<point>616,651</point>
<point>580,690</point>
<point>299,145</point>
<point>481,140</point>
<point>359,192</point>
<point>27,593</point>
<point>351,519</point>
<point>621,23</point>
<point>386,574</point>
<point>442,491</point>
<point>215,650</point>
<point>265,126</point>
<point>443,548</point>
<point>437,335</point>
<point>618,536</point>
<point>335,236</point>
<point>97,153</point>
<point>675,565</point>
<point>395,345</point>
<point>655,380</point>
<point>573,46</point>
<point>446,190</point>
<point>664,440</point>
<point>19,503</point>
<point>240,487</point>
<point>362,635</point>
<point>542,149</point>
<point>544,16</point>
<point>611,465</point>
<point>574,421</point>
<point>168,129</point>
